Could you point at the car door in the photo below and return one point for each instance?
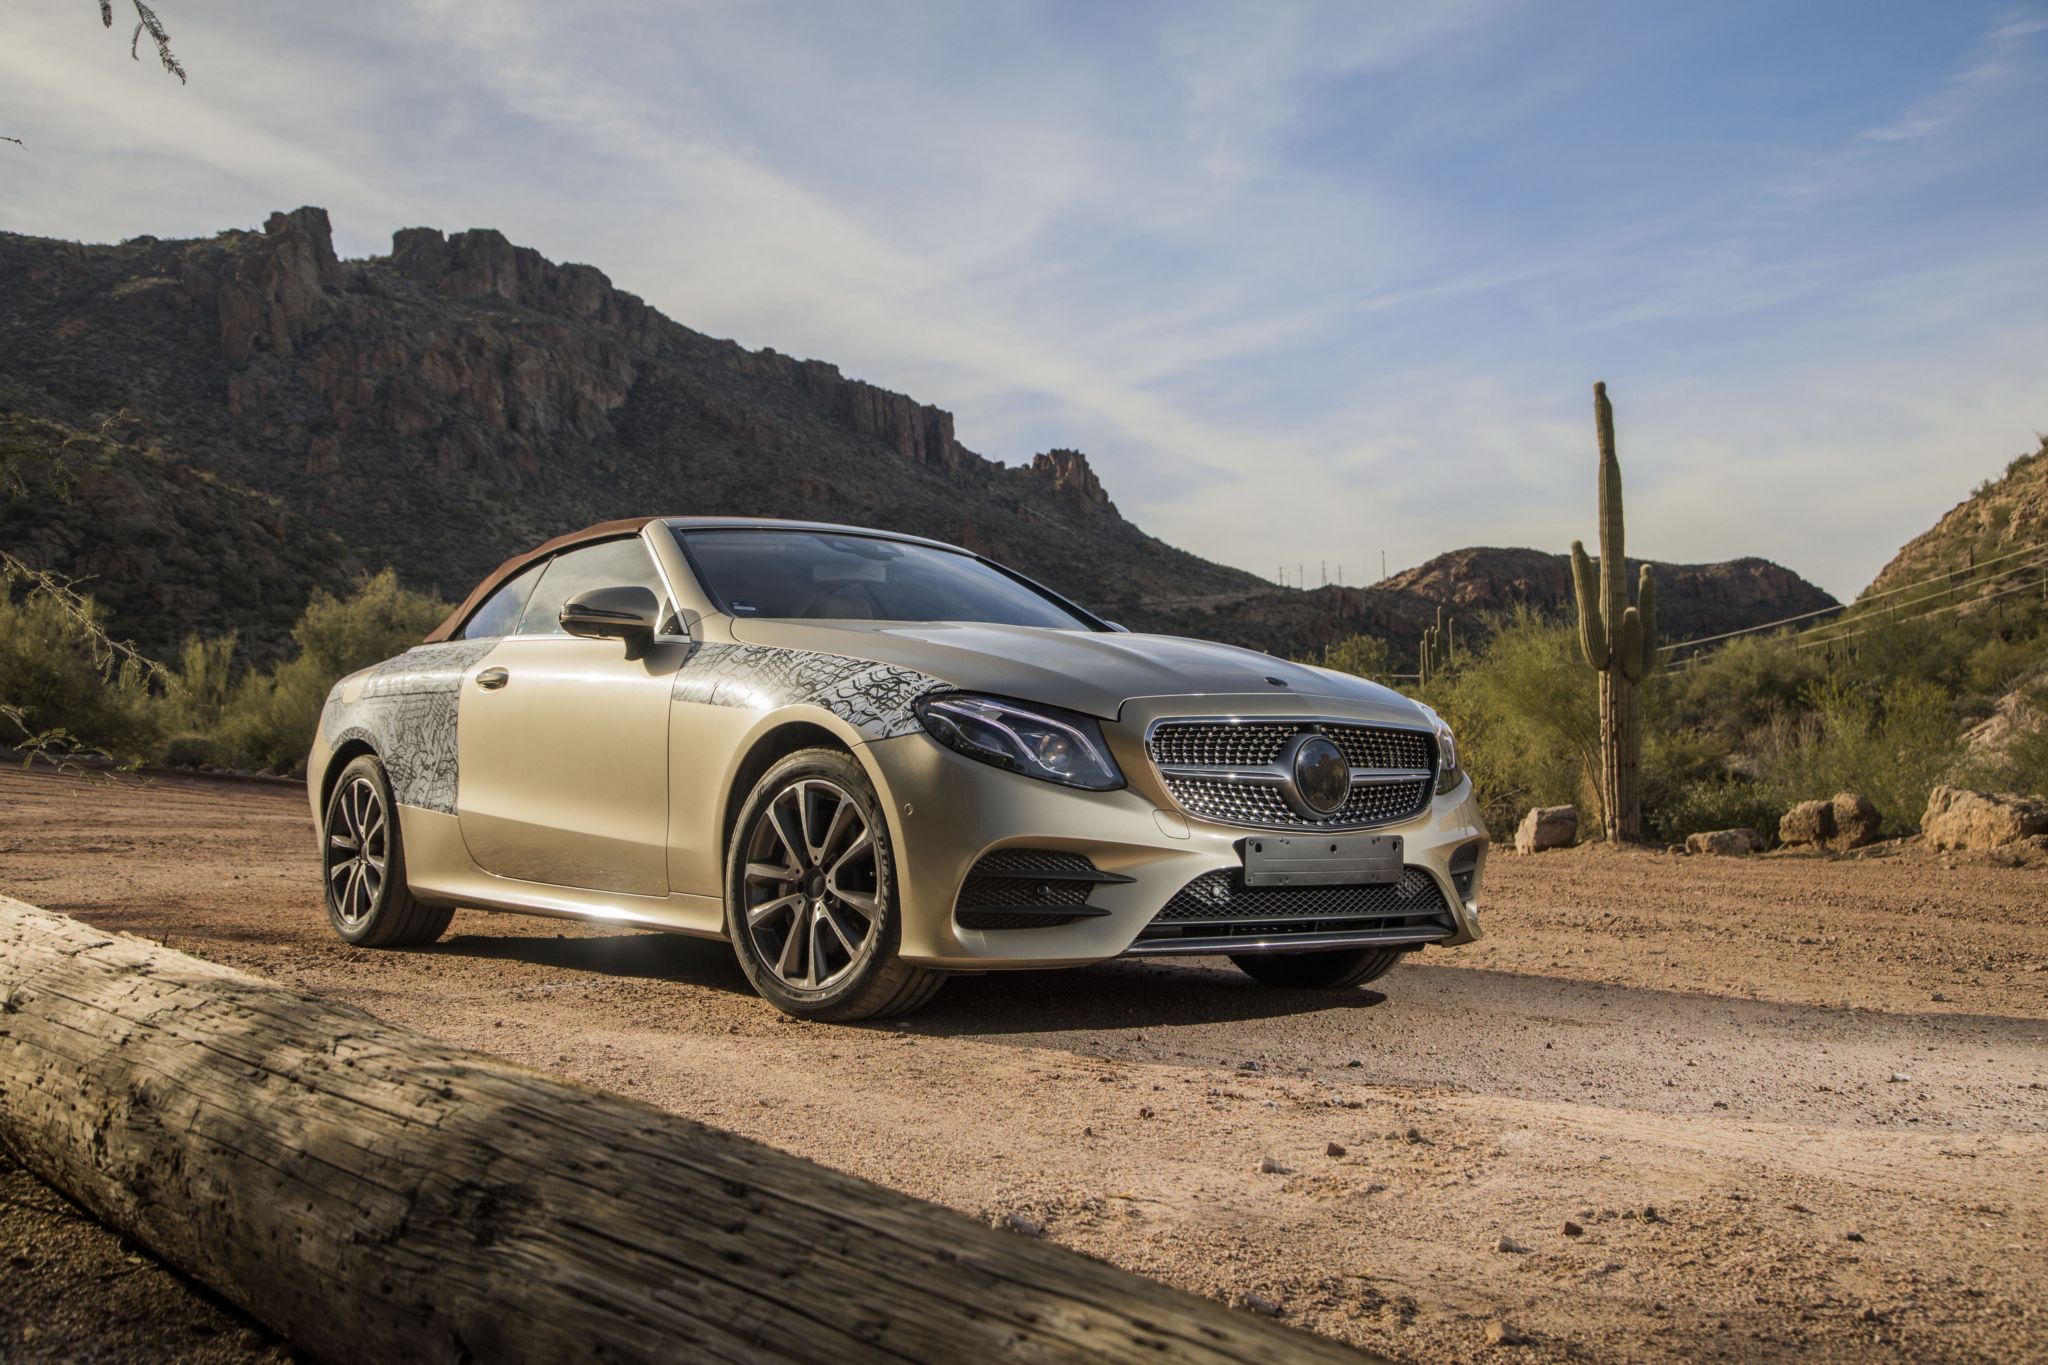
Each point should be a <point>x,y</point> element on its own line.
<point>563,742</point>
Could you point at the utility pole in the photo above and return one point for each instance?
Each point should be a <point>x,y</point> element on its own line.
<point>1383,566</point>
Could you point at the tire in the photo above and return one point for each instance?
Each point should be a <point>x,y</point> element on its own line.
<point>362,865</point>
<point>1319,971</point>
<point>810,895</point>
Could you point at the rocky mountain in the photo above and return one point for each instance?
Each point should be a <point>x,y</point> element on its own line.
<point>248,417</point>
<point>1692,599</point>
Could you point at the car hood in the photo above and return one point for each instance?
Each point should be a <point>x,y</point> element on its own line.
<point>1086,671</point>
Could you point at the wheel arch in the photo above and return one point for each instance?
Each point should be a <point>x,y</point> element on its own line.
<point>767,748</point>
<point>345,753</point>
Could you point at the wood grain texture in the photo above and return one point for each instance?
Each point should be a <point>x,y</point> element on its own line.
<point>372,1193</point>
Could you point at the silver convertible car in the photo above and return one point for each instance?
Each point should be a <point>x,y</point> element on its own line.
<point>871,761</point>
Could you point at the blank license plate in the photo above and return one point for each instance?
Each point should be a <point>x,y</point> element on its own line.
<point>1321,859</point>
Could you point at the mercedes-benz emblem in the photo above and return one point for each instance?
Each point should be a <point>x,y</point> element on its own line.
<point>1319,777</point>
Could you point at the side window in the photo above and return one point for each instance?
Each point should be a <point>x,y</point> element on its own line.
<point>607,564</point>
<point>499,615</point>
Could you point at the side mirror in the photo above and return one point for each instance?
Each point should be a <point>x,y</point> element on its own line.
<point>1118,626</point>
<point>623,613</point>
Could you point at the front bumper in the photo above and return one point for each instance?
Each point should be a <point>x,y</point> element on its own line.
<point>947,811</point>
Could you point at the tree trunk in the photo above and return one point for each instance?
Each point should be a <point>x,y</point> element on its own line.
<point>373,1194</point>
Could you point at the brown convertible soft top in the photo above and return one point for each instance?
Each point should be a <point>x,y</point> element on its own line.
<point>604,530</point>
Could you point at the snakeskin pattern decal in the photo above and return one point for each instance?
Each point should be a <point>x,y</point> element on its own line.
<point>406,710</point>
<point>873,698</point>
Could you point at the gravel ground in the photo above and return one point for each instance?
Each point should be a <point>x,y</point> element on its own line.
<point>1779,1107</point>
<point>75,1292</point>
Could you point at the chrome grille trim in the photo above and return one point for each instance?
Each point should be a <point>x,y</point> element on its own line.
<point>1228,770</point>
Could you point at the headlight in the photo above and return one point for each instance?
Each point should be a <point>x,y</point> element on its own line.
<point>1037,741</point>
<point>1447,774</point>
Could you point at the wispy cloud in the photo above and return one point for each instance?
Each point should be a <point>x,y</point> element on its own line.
<point>1307,280</point>
<point>1998,63</point>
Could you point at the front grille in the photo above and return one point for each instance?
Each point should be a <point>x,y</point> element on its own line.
<point>1230,771</point>
<point>1245,803</point>
<point>1221,744</point>
<point>1027,888</point>
<point>1218,913</point>
<point>1221,897</point>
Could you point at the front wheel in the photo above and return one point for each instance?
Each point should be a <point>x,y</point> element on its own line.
<point>363,865</point>
<point>1319,971</point>
<point>811,901</point>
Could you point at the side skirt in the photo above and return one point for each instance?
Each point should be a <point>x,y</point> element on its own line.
<point>441,872</point>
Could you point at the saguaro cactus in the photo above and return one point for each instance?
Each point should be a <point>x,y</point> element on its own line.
<point>1619,642</point>
<point>1435,652</point>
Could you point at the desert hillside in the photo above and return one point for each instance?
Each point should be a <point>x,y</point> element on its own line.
<point>1994,539</point>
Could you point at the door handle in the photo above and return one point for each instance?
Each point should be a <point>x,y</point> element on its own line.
<point>491,679</point>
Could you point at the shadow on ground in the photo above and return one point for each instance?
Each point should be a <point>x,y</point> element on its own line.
<point>645,956</point>
<point>1119,995</point>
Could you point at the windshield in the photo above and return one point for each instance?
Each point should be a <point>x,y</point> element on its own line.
<point>825,576</point>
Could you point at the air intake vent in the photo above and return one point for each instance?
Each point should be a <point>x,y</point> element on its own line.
<point>1028,888</point>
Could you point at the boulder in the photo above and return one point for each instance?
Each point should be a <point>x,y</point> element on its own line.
<point>1808,823</point>
<point>1856,821</point>
<point>1849,821</point>
<point>1725,843</point>
<point>1959,817</point>
<point>1547,827</point>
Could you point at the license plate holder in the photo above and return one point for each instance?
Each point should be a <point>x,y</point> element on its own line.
<point>1322,859</point>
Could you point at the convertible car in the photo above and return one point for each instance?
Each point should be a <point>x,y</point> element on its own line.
<point>871,761</point>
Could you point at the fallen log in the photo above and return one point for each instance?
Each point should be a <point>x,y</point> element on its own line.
<point>371,1193</point>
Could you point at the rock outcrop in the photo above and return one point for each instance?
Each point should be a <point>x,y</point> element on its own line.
<point>280,292</point>
<point>1547,827</point>
<point>1071,478</point>
<point>1962,818</point>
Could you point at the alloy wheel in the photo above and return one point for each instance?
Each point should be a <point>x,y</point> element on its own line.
<point>813,884</point>
<point>358,844</point>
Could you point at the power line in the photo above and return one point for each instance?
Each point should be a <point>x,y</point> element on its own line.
<point>1894,614</point>
<point>1948,578</point>
<point>2006,591</point>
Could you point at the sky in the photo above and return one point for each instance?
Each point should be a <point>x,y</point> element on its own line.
<point>1311,284</point>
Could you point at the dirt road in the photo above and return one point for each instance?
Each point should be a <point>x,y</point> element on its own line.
<point>1794,1106</point>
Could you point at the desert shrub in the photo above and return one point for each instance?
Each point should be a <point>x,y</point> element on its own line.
<point>2020,764</point>
<point>268,719</point>
<point>190,710</point>
<point>2025,765</point>
<point>1892,745</point>
<point>1738,687</point>
<point>59,679</point>
<point>1527,713</point>
<point>204,677</point>
<point>1364,656</point>
<point>1999,663</point>
<point>1700,804</point>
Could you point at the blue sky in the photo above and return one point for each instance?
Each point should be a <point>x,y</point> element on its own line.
<point>1308,282</point>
